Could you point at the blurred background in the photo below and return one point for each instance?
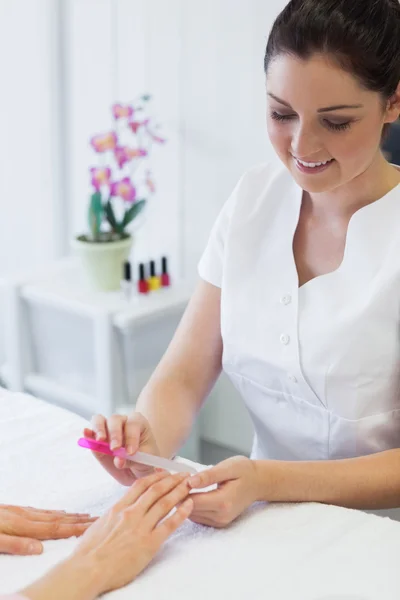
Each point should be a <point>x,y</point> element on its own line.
<point>63,64</point>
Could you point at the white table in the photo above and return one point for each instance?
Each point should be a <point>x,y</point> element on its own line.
<point>282,552</point>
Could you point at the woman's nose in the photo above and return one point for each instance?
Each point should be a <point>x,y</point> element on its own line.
<point>305,142</point>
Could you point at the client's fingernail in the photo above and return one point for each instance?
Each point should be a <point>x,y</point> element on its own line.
<point>193,481</point>
<point>114,444</point>
<point>188,504</point>
<point>35,548</point>
<point>130,450</point>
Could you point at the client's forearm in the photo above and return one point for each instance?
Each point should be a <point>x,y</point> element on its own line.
<point>77,578</point>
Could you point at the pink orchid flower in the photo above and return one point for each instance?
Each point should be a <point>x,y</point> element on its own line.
<point>123,189</point>
<point>121,156</point>
<point>136,152</point>
<point>100,176</point>
<point>124,154</point>
<point>150,182</point>
<point>135,125</point>
<point>156,138</point>
<point>119,111</point>
<point>104,141</point>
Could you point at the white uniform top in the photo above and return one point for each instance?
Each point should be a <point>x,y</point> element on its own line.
<point>317,366</point>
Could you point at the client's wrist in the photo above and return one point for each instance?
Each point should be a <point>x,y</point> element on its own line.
<point>79,577</point>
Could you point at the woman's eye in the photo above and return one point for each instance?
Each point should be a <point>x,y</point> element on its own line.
<point>337,126</point>
<point>279,117</point>
<point>330,124</point>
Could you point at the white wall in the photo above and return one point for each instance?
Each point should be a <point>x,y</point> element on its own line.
<point>202,61</point>
<point>223,105</point>
<point>28,231</point>
<point>31,231</point>
<point>224,133</point>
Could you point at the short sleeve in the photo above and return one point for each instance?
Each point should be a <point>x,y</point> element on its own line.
<point>243,201</point>
<point>210,267</point>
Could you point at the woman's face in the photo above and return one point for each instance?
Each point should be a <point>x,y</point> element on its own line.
<point>318,113</point>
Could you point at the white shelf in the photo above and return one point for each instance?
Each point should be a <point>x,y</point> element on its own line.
<point>85,350</point>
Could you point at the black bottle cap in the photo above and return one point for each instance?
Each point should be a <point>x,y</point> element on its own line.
<point>152,268</point>
<point>141,272</point>
<point>127,271</point>
<point>164,265</point>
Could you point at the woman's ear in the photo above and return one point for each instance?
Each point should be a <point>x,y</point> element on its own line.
<point>393,107</point>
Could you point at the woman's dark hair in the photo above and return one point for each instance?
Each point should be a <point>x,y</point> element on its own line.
<point>362,36</point>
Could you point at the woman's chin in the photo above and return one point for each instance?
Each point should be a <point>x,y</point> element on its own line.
<point>314,183</point>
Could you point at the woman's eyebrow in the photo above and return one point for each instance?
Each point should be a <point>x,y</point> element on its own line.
<point>320,110</point>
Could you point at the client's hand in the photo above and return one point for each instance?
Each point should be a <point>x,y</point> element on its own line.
<point>21,528</point>
<point>124,541</point>
<point>121,543</point>
<point>132,432</point>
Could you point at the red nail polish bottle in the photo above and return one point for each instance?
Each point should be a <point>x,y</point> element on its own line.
<point>143,286</point>
<point>165,278</point>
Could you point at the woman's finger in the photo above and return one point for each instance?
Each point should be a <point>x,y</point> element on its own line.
<point>137,490</point>
<point>124,476</point>
<point>204,520</point>
<point>22,546</point>
<point>115,428</point>
<point>158,491</point>
<point>120,463</point>
<point>167,527</point>
<point>62,513</point>
<point>133,430</point>
<point>53,530</point>
<point>99,427</point>
<point>40,514</point>
<point>209,501</point>
<point>225,471</point>
<point>33,509</point>
<point>89,433</point>
<point>60,518</point>
<point>172,491</point>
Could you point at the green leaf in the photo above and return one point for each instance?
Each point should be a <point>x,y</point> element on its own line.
<point>132,213</point>
<point>95,214</point>
<point>110,216</point>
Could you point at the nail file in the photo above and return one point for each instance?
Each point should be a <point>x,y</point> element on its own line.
<point>142,458</point>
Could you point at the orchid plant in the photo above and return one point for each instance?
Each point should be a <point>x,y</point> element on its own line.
<point>121,182</point>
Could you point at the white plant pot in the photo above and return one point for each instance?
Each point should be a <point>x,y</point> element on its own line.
<point>103,261</point>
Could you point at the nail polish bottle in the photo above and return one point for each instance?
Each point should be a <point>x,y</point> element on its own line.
<point>165,278</point>
<point>143,286</point>
<point>126,283</point>
<point>154,280</point>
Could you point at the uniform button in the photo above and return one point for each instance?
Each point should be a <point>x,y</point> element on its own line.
<point>292,378</point>
<point>285,339</point>
<point>286,299</point>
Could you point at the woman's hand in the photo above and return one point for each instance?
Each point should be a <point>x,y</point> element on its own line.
<point>125,540</point>
<point>237,489</point>
<point>121,543</point>
<point>130,432</point>
<point>21,528</point>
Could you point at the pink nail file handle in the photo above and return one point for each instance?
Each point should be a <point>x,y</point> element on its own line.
<point>139,457</point>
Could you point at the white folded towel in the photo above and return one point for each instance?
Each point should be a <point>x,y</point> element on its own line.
<point>277,551</point>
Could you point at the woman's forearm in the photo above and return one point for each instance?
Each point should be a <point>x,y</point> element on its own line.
<point>171,407</point>
<point>368,482</point>
<point>172,398</point>
<point>77,578</point>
